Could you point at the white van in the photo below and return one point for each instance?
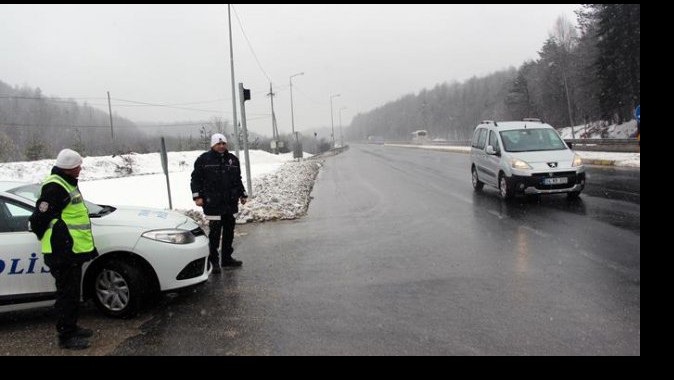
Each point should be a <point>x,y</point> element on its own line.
<point>524,157</point>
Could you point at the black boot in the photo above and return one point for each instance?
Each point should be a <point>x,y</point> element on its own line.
<point>82,332</point>
<point>74,343</point>
<point>216,267</point>
<point>230,262</point>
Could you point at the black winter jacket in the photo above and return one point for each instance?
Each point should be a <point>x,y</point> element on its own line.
<point>217,180</point>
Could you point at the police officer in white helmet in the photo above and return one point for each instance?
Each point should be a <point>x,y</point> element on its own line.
<point>62,224</point>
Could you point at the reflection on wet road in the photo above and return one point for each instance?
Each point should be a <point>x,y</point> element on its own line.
<point>399,256</point>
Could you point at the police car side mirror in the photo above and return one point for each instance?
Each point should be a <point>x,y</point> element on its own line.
<point>569,144</point>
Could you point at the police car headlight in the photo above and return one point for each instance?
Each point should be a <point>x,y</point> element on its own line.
<point>170,236</point>
<point>519,164</point>
<point>577,161</point>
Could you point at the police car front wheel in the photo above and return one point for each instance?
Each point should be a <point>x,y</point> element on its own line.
<point>118,289</point>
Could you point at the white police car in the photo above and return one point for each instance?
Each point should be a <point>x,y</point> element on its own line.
<point>524,157</point>
<point>142,252</point>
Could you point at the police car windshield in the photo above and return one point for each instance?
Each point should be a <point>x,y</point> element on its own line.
<point>530,140</point>
<point>32,193</point>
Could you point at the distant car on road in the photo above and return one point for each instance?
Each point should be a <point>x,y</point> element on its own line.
<point>142,252</point>
<point>524,157</point>
<point>420,136</point>
<point>375,140</point>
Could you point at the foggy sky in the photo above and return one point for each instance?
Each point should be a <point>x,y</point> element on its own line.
<point>179,55</point>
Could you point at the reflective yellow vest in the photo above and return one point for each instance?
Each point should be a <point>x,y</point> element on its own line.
<point>76,217</point>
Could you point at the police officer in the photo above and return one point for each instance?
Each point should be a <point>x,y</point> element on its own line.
<point>217,187</point>
<point>67,243</point>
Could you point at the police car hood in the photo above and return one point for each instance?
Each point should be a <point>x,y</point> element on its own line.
<point>147,218</point>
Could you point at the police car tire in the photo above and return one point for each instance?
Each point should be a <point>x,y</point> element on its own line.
<point>131,278</point>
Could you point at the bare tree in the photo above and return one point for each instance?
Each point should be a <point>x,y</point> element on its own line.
<point>219,125</point>
<point>566,37</point>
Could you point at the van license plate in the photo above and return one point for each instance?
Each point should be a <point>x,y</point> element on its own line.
<point>555,181</point>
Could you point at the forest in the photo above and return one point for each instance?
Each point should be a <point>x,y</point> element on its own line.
<point>587,74</point>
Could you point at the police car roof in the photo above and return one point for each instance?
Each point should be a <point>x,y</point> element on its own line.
<point>8,185</point>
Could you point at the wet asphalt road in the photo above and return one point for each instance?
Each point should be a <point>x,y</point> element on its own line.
<point>398,256</point>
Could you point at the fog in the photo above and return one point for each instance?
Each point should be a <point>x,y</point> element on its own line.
<point>170,63</point>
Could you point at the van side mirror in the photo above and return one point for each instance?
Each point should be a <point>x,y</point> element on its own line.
<point>490,150</point>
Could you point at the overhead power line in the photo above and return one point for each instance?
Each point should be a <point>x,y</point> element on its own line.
<point>138,103</point>
<point>142,126</point>
<point>135,103</point>
<point>250,46</point>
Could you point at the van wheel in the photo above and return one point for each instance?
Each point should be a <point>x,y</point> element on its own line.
<point>477,184</point>
<point>504,188</point>
<point>118,290</point>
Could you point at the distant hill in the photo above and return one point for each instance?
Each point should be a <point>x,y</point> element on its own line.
<point>34,126</point>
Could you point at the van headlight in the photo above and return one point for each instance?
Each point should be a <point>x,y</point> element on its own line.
<point>170,236</point>
<point>519,164</point>
<point>577,161</point>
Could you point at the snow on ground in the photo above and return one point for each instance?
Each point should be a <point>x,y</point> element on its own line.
<point>281,186</point>
<point>598,130</point>
<point>594,130</point>
<point>590,158</point>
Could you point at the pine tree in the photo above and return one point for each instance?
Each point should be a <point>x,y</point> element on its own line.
<point>619,57</point>
<point>37,150</point>
<point>8,151</point>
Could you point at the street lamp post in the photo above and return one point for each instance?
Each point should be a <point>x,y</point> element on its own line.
<point>341,135</point>
<point>292,112</point>
<point>332,120</point>
<point>231,64</point>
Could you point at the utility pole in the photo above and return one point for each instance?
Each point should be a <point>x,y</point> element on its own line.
<point>568,103</point>
<point>231,64</point>
<point>292,113</point>
<point>341,135</point>
<point>316,143</point>
<point>244,94</point>
<point>112,133</point>
<point>274,128</point>
<point>332,120</point>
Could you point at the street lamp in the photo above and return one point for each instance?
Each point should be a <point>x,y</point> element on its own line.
<point>292,112</point>
<point>332,120</point>
<point>341,135</point>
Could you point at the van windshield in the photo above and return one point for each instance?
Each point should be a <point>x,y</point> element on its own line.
<point>530,140</point>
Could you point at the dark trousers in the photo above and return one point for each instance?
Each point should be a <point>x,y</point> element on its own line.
<point>67,271</point>
<point>218,228</point>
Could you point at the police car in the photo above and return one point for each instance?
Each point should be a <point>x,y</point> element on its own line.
<point>524,157</point>
<point>142,252</point>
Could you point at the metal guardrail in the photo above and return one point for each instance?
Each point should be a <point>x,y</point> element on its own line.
<point>631,141</point>
<point>605,145</point>
<point>602,145</point>
<point>441,143</point>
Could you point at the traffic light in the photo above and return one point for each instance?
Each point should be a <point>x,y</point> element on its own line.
<point>246,94</point>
